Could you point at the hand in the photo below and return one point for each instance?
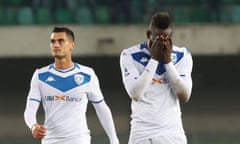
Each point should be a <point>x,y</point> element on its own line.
<point>161,48</point>
<point>156,48</point>
<point>38,131</point>
<point>167,50</point>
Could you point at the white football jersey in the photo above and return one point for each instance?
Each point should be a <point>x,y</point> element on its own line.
<point>64,95</point>
<point>158,112</point>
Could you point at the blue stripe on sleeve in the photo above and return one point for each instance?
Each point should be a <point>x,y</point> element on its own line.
<point>96,102</point>
<point>33,99</point>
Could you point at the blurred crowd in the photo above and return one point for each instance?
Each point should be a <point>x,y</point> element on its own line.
<point>116,11</point>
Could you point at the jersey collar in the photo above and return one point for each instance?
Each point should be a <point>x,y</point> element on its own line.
<point>75,65</point>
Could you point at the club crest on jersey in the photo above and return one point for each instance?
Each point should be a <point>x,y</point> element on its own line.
<point>144,59</point>
<point>78,79</point>
<point>174,58</point>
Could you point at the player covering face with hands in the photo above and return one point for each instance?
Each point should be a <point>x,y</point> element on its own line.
<point>161,47</point>
<point>157,77</point>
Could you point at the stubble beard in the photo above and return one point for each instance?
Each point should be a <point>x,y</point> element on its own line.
<point>59,57</point>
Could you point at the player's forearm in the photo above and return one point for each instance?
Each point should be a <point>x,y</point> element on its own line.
<point>105,116</point>
<point>30,113</point>
<point>140,85</point>
<point>181,87</point>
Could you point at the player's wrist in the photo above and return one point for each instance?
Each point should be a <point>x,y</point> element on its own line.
<point>167,60</point>
<point>153,61</point>
<point>33,127</point>
<point>115,141</point>
<point>152,64</point>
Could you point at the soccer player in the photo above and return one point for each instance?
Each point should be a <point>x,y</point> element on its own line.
<point>157,76</point>
<point>64,88</point>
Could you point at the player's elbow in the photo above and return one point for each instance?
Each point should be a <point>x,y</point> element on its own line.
<point>136,98</point>
<point>135,94</point>
<point>135,91</point>
<point>184,96</point>
<point>183,91</point>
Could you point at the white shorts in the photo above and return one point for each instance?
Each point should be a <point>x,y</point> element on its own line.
<point>170,139</point>
<point>79,140</point>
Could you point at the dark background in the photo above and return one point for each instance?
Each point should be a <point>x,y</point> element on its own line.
<point>216,81</point>
<point>211,115</point>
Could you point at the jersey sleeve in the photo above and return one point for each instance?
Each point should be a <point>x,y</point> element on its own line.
<point>187,63</point>
<point>94,94</point>
<point>33,102</point>
<point>136,83</point>
<point>34,92</point>
<point>105,116</point>
<point>180,77</point>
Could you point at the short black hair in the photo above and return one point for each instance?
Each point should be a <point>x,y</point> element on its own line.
<point>161,20</point>
<point>66,30</point>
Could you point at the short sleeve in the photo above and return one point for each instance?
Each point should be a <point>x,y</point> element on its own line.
<point>34,92</point>
<point>94,94</point>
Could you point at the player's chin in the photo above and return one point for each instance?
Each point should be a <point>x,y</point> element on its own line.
<point>58,56</point>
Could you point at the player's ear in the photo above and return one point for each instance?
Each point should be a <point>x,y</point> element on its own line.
<point>73,45</point>
<point>148,33</point>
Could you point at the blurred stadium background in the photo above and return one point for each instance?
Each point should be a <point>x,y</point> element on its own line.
<point>208,28</point>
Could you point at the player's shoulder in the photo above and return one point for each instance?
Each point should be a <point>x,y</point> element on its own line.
<point>133,49</point>
<point>85,68</point>
<point>181,49</point>
<point>130,50</point>
<point>181,53</point>
<point>44,68</point>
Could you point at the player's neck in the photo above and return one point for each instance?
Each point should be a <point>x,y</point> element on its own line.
<point>63,64</point>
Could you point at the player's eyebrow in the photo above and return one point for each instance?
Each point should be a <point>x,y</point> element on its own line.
<point>54,40</point>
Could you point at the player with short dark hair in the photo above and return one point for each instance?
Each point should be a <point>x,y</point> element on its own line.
<point>64,88</point>
<point>157,76</point>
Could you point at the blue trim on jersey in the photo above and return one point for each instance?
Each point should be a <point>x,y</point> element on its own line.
<point>33,99</point>
<point>96,102</point>
<point>160,69</point>
<point>143,58</point>
<point>179,56</point>
<point>143,45</point>
<point>64,83</point>
<point>75,66</point>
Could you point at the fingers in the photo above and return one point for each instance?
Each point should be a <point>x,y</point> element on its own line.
<point>164,37</point>
<point>154,41</point>
<point>162,41</point>
<point>165,47</point>
<point>38,131</point>
<point>156,47</point>
<point>161,48</point>
<point>167,41</point>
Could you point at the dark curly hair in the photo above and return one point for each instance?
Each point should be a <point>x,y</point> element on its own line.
<point>161,20</point>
